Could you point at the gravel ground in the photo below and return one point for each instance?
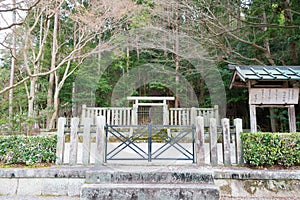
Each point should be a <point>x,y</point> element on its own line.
<point>37,198</point>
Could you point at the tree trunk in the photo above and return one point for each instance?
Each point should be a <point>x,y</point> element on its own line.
<point>55,107</point>
<point>289,20</point>
<point>31,97</point>
<point>51,77</point>
<point>177,59</point>
<point>13,64</point>
<point>273,120</point>
<point>267,43</point>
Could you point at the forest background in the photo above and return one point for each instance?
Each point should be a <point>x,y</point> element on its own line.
<point>45,44</point>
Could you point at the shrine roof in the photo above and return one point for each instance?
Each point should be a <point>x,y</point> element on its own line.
<point>242,74</point>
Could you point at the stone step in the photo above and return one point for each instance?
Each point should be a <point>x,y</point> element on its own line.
<point>138,176</point>
<point>149,191</point>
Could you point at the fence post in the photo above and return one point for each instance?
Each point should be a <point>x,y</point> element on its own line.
<point>74,141</point>
<point>200,154</point>
<point>238,142</point>
<point>86,140</point>
<point>226,142</point>
<point>165,113</point>
<point>213,141</point>
<point>60,146</point>
<point>193,115</point>
<point>134,114</point>
<point>100,141</point>
<point>216,111</point>
<point>83,111</point>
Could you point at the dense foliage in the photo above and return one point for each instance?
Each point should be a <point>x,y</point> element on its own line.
<point>265,149</point>
<point>27,150</point>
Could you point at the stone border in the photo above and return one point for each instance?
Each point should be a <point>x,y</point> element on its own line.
<point>233,182</point>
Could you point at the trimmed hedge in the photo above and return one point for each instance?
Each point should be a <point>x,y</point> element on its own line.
<point>27,150</point>
<point>265,149</point>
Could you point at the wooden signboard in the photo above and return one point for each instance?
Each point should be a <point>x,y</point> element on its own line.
<point>273,96</point>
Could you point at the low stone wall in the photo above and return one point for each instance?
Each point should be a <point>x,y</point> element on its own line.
<point>53,181</point>
<point>233,182</point>
<point>246,183</point>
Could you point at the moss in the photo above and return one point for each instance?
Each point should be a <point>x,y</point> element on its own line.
<point>250,186</point>
<point>226,189</point>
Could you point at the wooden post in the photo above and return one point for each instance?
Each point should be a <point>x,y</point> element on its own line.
<point>135,114</point>
<point>60,146</point>
<point>200,154</point>
<point>216,111</point>
<point>165,113</point>
<point>100,141</point>
<point>273,120</point>
<point>292,118</point>
<point>193,115</point>
<point>74,140</point>
<point>238,142</point>
<point>83,111</point>
<point>213,141</point>
<point>226,142</point>
<point>253,124</point>
<point>86,149</point>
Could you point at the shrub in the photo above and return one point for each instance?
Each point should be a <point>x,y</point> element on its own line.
<point>262,149</point>
<point>27,150</point>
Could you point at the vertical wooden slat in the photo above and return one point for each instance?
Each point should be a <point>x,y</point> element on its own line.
<point>226,142</point>
<point>253,125</point>
<point>109,120</point>
<point>193,115</point>
<point>86,149</point>
<point>180,117</point>
<point>171,117</point>
<point>188,113</point>
<point>128,116</point>
<point>100,141</point>
<point>213,141</point>
<point>176,117</point>
<point>74,141</point>
<point>83,111</point>
<point>238,142</point>
<point>124,112</point>
<point>200,153</point>
<point>60,146</point>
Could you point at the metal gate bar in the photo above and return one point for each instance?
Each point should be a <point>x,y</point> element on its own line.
<point>138,132</point>
<point>123,141</point>
<point>173,142</point>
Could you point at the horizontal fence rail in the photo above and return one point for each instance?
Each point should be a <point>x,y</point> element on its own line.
<point>82,142</point>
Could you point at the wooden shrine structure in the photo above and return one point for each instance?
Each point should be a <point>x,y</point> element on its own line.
<point>269,86</point>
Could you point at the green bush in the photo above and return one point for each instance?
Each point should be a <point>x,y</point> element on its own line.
<point>27,150</point>
<point>263,149</point>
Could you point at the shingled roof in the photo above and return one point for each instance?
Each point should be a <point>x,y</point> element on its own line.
<point>242,74</point>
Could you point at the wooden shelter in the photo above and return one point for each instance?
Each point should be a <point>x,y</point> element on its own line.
<point>269,86</point>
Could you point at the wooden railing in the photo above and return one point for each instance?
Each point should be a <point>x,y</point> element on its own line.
<point>186,116</point>
<point>172,116</point>
<point>113,115</point>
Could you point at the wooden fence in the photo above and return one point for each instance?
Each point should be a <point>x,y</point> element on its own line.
<point>129,115</point>
<point>216,145</point>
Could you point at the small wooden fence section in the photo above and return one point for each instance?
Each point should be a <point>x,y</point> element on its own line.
<point>85,143</point>
<point>129,115</point>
